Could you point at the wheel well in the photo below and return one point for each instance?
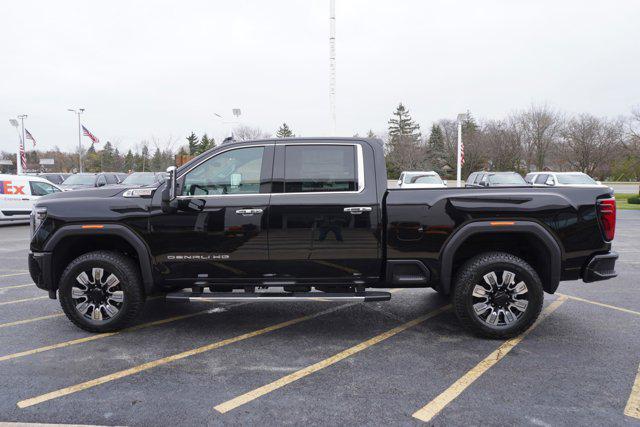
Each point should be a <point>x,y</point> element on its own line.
<point>71,247</point>
<point>523,245</point>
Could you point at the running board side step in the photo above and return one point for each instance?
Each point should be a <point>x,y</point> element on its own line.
<point>278,296</point>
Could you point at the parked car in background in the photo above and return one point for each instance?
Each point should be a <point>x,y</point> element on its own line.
<point>55,178</point>
<point>89,180</point>
<point>143,179</point>
<point>427,179</point>
<point>496,179</point>
<point>561,179</point>
<point>18,193</point>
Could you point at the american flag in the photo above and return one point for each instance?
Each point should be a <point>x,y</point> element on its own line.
<point>91,136</point>
<point>23,157</point>
<point>29,136</point>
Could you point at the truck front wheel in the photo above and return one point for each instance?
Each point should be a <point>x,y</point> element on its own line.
<point>101,291</point>
<point>497,295</point>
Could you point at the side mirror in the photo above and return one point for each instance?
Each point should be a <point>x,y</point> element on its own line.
<point>101,184</point>
<point>399,182</point>
<point>444,181</point>
<point>169,192</point>
<point>549,181</point>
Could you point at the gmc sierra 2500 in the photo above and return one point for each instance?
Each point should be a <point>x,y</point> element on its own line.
<point>304,214</point>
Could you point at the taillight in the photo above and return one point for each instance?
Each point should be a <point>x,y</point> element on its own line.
<point>607,211</point>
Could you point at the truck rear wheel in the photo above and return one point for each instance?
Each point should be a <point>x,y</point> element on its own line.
<point>497,295</point>
<point>101,291</point>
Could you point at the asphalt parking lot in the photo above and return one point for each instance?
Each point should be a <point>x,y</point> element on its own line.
<point>405,361</point>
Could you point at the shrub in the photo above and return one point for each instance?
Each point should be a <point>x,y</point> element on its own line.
<point>634,200</point>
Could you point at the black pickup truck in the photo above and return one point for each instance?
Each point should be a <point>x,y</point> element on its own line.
<point>312,219</point>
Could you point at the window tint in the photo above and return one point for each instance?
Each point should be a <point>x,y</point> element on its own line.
<point>481,177</point>
<point>542,178</point>
<point>575,178</point>
<point>320,168</point>
<point>41,188</point>
<point>231,172</point>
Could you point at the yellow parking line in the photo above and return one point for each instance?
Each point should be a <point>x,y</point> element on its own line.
<point>633,404</point>
<point>613,307</point>
<point>15,301</point>
<point>165,360</point>
<point>98,336</point>
<point>34,319</point>
<point>14,274</point>
<point>433,408</point>
<point>288,379</point>
<point>16,286</point>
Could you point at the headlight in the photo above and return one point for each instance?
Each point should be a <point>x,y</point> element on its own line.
<point>139,192</point>
<point>37,216</point>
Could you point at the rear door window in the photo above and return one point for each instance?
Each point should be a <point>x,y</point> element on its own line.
<point>320,168</point>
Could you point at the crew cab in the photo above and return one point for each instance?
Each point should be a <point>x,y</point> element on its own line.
<point>294,219</point>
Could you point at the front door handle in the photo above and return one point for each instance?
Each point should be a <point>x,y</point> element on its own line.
<point>357,210</point>
<point>249,212</point>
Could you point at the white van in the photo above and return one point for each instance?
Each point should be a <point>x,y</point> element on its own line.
<point>18,193</point>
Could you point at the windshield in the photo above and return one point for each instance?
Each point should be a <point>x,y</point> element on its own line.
<point>139,178</point>
<point>422,178</point>
<point>80,179</point>
<point>575,178</point>
<point>507,179</point>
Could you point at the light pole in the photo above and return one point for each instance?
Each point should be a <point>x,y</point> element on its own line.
<point>332,65</point>
<point>78,112</point>
<point>461,118</point>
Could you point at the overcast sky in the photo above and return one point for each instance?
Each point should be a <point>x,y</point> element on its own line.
<point>163,68</point>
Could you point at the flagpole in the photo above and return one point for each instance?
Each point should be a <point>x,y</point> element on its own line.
<point>78,112</point>
<point>19,166</point>
<point>461,118</point>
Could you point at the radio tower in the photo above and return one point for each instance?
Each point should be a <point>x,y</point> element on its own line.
<point>332,64</point>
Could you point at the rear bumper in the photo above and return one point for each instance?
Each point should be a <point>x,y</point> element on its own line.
<point>40,269</point>
<point>600,267</point>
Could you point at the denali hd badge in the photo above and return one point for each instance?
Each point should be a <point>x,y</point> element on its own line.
<point>196,257</point>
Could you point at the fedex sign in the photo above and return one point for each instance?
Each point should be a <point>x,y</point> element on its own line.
<point>8,187</point>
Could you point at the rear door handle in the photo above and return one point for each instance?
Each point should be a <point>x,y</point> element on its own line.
<point>357,210</point>
<point>248,212</point>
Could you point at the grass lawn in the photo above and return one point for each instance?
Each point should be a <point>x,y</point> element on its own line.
<point>621,201</point>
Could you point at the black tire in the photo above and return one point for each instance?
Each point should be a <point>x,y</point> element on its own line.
<point>473,273</point>
<point>129,289</point>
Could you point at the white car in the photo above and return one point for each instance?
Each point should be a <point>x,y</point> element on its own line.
<point>561,179</point>
<point>18,193</point>
<point>427,179</point>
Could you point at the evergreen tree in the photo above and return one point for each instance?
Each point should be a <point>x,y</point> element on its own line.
<point>107,162</point>
<point>284,131</point>
<point>129,163</point>
<point>193,144</point>
<point>436,138</point>
<point>405,149</point>
<point>156,161</point>
<point>206,143</point>
<point>402,127</point>
<point>144,158</point>
<point>371,134</point>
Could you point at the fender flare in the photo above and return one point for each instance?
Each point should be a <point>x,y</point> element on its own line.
<point>478,227</point>
<point>109,230</point>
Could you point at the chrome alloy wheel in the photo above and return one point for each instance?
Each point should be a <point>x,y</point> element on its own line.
<point>500,302</point>
<point>97,298</point>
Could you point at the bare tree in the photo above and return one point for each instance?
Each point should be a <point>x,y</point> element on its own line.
<point>502,144</point>
<point>247,133</point>
<point>540,127</point>
<point>588,140</point>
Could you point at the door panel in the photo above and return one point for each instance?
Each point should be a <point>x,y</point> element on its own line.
<point>311,235</point>
<point>219,232</point>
